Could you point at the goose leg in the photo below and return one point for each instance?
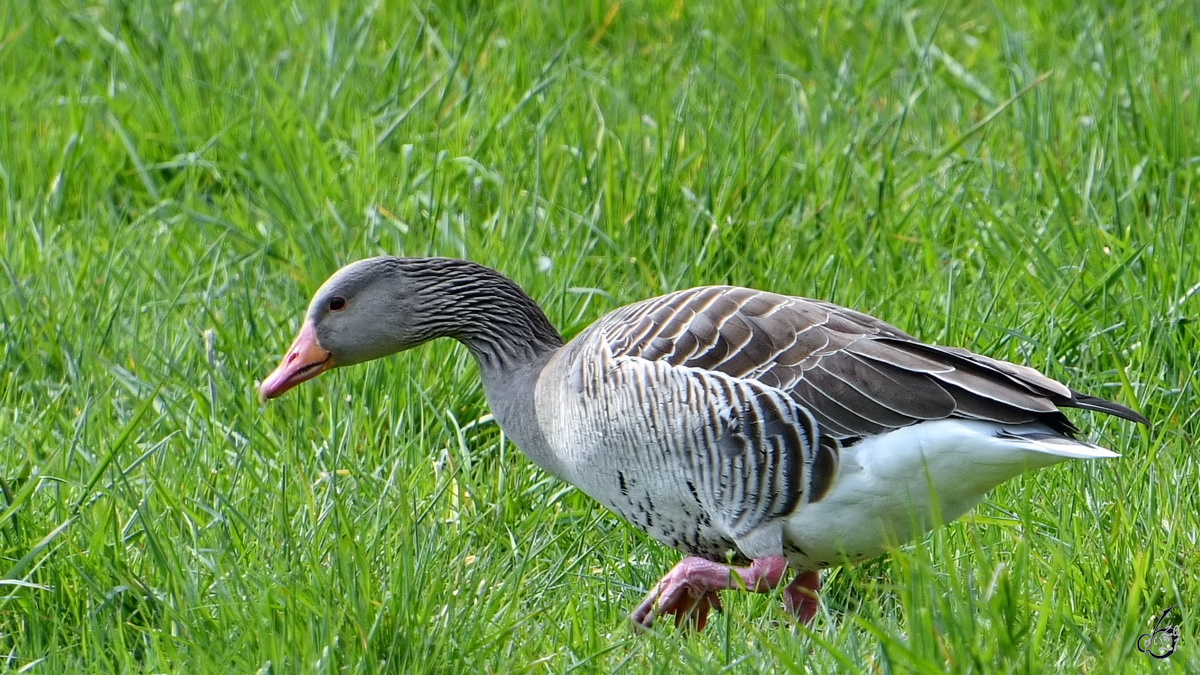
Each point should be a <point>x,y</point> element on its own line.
<point>800,596</point>
<point>689,590</point>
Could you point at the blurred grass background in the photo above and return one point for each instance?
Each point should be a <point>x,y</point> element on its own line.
<point>176,179</point>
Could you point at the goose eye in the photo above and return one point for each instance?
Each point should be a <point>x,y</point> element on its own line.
<point>337,303</point>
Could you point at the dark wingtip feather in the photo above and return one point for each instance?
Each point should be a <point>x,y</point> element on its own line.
<point>1085,402</point>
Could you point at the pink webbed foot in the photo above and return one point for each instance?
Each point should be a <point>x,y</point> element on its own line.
<point>689,606</point>
<point>689,590</point>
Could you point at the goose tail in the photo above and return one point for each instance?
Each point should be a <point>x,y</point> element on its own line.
<point>1054,444</point>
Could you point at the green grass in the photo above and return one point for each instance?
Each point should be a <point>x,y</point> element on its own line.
<point>177,178</point>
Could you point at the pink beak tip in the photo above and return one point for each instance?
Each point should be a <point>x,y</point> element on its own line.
<point>305,360</point>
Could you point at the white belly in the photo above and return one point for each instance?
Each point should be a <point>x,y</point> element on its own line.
<point>895,486</point>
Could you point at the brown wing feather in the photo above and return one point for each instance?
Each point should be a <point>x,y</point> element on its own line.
<point>856,374</point>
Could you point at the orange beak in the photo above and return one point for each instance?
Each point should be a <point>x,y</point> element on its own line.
<point>305,360</point>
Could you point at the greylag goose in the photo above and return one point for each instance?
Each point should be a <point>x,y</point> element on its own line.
<point>752,431</point>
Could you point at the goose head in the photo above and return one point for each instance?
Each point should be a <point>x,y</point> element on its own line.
<point>366,310</point>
